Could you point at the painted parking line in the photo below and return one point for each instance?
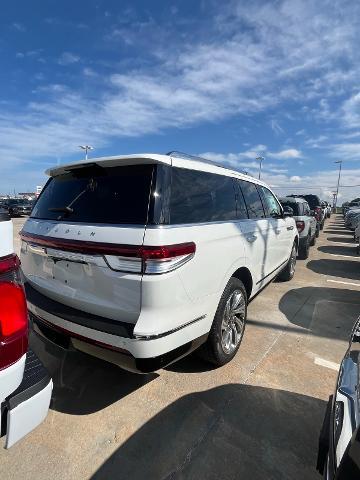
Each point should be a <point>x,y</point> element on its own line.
<point>342,256</point>
<point>343,283</point>
<point>345,244</point>
<point>326,363</point>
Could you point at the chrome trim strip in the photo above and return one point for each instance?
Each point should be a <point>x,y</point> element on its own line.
<point>160,335</point>
<point>268,275</point>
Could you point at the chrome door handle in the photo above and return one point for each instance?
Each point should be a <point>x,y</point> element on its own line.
<point>251,238</point>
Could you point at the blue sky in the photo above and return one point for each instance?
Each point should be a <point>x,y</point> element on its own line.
<point>229,80</point>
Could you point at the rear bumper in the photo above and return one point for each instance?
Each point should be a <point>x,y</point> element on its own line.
<point>28,405</point>
<point>133,362</point>
<point>113,340</point>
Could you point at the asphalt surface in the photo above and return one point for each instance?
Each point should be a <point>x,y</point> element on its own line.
<point>256,418</point>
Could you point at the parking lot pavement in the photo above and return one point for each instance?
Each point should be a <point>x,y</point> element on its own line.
<point>258,417</point>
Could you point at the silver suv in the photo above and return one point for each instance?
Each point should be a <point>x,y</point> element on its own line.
<point>306,224</point>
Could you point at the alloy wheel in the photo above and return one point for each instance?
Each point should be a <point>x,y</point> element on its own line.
<point>233,323</point>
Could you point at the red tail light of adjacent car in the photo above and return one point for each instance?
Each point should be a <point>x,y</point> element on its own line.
<point>300,225</point>
<point>13,312</point>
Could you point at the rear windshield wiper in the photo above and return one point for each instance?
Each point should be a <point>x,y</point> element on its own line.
<point>91,186</point>
<point>61,209</point>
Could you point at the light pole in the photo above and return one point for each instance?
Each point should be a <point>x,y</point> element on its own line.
<point>338,183</point>
<point>334,196</point>
<point>86,148</point>
<point>261,160</point>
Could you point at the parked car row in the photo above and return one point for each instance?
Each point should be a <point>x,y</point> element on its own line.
<point>17,207</point>
<point>339,443</point>
<point>352,221</point>
<point>309,213</point>
<point>349,205</point>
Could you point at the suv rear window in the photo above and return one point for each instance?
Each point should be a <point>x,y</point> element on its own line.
<point>293,205</point>
<point>97,195</point>
<point>313,201</point>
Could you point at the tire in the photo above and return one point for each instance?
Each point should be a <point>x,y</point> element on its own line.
<point>223,343</point>
<point>305,250</point>
<point>313,240</point>
<point>289,270</point>
<point>322,225</point>
<point>317,233</point>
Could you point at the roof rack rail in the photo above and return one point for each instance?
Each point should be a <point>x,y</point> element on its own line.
<point>175,153</point>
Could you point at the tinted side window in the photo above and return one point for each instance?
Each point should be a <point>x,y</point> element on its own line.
<point>252,199</point>
<point>198,197</point>
<point>240,202</point>
<point>271,205</point>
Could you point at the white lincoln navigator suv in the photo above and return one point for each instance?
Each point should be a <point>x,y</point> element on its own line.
<point>141,259</point>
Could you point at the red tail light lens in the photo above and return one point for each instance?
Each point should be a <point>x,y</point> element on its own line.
<point>300,225</point>
<point>167,251</point>
<point>9,263</point>
<point>153,260</point>
<point>13,313</point>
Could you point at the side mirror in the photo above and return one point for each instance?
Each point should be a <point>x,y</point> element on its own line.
<point>288,211</point>
<point>312,213</point>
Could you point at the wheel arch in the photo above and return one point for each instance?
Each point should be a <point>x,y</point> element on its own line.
<point>296,241</point>
<point>243,274</point>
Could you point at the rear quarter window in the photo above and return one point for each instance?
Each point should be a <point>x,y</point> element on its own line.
<point>198,197</point>
<point>116,195</point>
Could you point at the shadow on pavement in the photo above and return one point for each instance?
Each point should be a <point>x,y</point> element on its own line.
<point>84,384</point>
<point>324,312</point>
<point>339,231</point>
<point>339,250</point>
<point>349,269</point>
<point>229,432</point>
<point>348,239</point>
<point>191,364</point>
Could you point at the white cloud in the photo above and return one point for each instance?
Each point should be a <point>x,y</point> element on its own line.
<point>276,127</point>
<point>19,27</point>
<point>285,154</point>
<point>351,111</point>
<point>89,72</point>
<point>68,58</point>
<point>345,151</point>
<point>295,179</point>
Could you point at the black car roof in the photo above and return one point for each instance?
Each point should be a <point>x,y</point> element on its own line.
<point>292,199</point>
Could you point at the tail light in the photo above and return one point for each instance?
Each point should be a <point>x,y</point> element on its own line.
<point>122,258</point>
<point>318,212</point>
<point>13,312</point>
<point>300,225</point>
<point>152,260</point>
